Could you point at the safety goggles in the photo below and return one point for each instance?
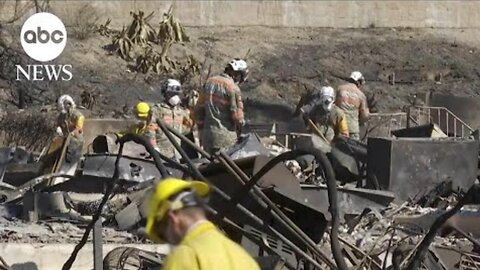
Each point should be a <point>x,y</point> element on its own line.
<point>174,89</point>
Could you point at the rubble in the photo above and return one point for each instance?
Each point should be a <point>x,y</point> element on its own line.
<point>309,208</point>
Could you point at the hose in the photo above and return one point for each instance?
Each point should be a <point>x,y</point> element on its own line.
<point>110,188</point>
<point>332,197</point>
<point>199,176</point>
<point>422,249</point>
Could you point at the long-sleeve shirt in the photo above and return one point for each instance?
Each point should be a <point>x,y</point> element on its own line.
<point>220,104</point>
<point>354,103</point>
<point>145,128</point>
<point>71,122</point>
<point>176,117</point>
<point>331,124</point>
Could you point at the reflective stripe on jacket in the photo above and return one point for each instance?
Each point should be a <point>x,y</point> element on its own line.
<point>354,103</point>
<point>220,104</point>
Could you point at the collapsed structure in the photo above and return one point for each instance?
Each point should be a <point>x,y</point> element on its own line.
<point>378,205</point>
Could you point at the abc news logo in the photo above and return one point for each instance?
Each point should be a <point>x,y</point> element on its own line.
<point>43,38</point>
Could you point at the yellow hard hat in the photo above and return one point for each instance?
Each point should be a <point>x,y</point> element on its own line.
<point>142,109</point>
<point>160,204</point>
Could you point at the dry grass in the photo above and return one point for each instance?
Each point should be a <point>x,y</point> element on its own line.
<point>85,21</point>
<point>32,130</point>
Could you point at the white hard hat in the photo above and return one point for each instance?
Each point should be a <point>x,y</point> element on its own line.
<point>238,64</point>
<point>173,82</point>
<point>327,92</point>
<point>172,85</point>
<point>63,100</point>
<point>327,97</point>
<point>357,76</point>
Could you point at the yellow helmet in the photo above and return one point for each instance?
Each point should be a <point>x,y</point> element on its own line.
<point>142,109</point>
<point>160,203</point>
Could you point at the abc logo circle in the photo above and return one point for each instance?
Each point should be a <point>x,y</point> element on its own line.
<point>43,36</point>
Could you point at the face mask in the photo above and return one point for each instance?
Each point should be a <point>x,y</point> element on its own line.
<point>174,101</point>
<point>61,108</point>
<point>327,104</point>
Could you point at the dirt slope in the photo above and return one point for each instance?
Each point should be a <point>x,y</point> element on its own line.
<point>282,61</point>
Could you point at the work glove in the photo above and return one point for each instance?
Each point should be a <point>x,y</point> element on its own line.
<point>241,122</point>
<point>59,131</point>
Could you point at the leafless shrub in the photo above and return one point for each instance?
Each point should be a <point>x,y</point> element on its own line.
<point>85,21</point>
<point>32,130</point>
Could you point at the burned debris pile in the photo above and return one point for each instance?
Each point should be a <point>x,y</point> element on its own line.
<point>395,202</point>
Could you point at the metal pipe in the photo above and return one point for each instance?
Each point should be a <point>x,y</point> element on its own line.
<point>447,123</point>
<point>286,221</point>
<point>171,162</point>
<point>97,246</point>
<point>260,243</point>
<point>190,143</point>
<point>290,226</point>
<point>199,176</point>
<point>429,116</point>
<point>455,127</point>
<point>110,189</point>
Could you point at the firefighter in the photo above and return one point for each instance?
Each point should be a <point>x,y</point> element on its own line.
<point>144,125</point>
<point>354,103</point>
<point>172,113</point>
<point>219,109</point>
<point>70,120</point>
<point>176,216</point>
<point>328,119</point>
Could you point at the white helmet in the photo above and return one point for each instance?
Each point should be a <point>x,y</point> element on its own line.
<point>357,76</point>
<point>327,97</point>
<point>172,85</point>
<point>63,101</point>
<point>240,66</point>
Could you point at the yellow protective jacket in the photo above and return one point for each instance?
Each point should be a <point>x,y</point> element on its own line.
<point>146,129</point>
<point>330,124</point>
<point>206,248</point>
<point>72,122</point>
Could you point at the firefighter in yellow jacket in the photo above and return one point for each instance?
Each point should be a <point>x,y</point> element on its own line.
<point>143,125</point>
<point>326,116</point>
<point>177,216</point>
<point>70,120</point>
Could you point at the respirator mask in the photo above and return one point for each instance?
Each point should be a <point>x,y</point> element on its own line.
<point>327,103</point>
<point>174,100</point>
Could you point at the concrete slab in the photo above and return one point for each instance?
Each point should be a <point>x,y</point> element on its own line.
<point>52,256</point>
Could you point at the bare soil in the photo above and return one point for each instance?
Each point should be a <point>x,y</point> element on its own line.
<point>283,63</point>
